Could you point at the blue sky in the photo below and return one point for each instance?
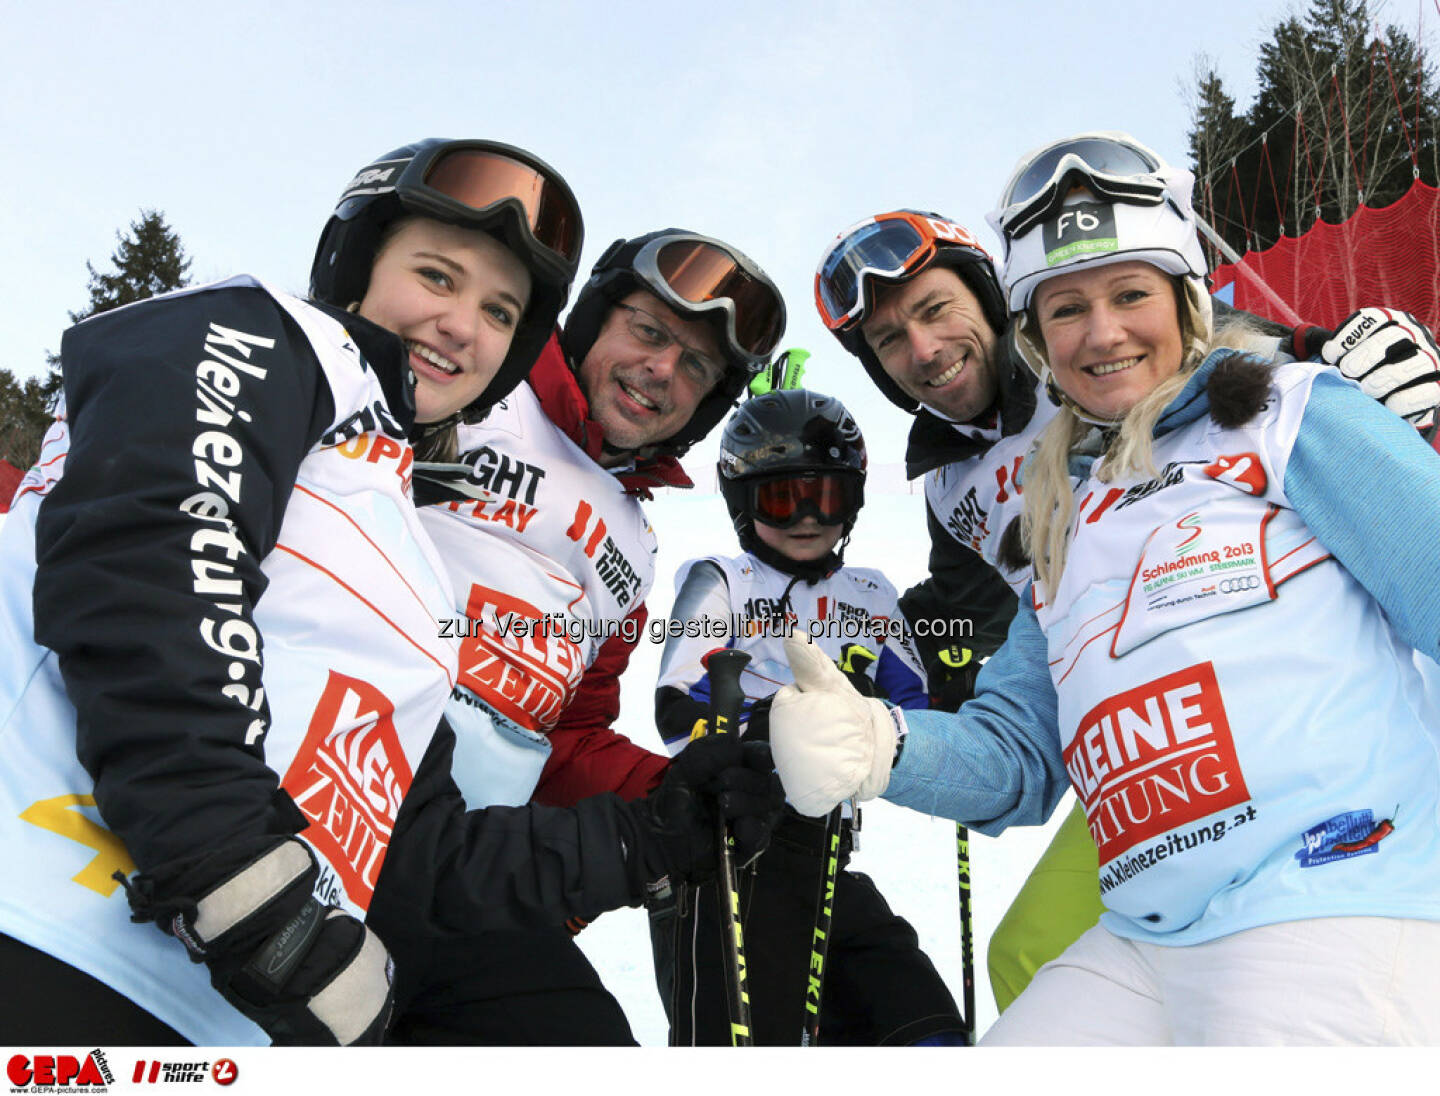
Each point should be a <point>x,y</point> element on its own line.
<point>772,125</point>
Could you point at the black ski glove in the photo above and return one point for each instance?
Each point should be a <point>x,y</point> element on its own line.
<point>950,675</point>
<point>308,974</point>
<point>757,721</point>
<point>716,777</point>
<point>855,661</point>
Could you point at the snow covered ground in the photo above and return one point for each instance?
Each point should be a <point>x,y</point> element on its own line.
<point>910,856</point>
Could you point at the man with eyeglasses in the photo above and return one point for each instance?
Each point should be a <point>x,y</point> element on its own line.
<point>551,557</point>
<point>916,298</point>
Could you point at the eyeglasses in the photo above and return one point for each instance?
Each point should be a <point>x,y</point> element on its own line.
<point>832,498</point>
<point>1112,166</point>
<point>650,332</point>
<point>888,246</point>
<point>457,179</point>
<point>694,273</point>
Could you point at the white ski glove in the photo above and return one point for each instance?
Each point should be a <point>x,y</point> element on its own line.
<point>1393,358</point>
<point>830,743</point>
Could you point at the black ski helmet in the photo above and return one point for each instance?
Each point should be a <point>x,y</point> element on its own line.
<point>615,276</point>
<point>787,433</point>
<point>395,186</point>
<point>971,264</point>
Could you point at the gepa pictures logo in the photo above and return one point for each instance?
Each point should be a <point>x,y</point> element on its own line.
<point>59,1073</point>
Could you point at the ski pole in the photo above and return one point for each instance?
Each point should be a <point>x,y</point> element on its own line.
<point>967,942</point>
<point>820,938</point>
<point>726,697</point>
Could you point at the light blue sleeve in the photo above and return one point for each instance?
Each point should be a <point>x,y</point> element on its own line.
<point>996,762</point>
<point>1369,488</point>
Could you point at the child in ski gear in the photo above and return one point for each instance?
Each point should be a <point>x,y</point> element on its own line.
<point>792,471</point>
<point>226,687</point>
<point>1243,794</point>
<point>551,556</point>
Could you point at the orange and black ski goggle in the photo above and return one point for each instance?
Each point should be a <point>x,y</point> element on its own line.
<point>888,246</point>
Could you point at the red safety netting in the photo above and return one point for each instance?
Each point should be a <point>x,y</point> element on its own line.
<point>10,478</point>
<point>1388,256</point>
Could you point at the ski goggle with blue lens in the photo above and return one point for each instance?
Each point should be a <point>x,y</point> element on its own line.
<point>888,246</point>
<point>1110,166</point>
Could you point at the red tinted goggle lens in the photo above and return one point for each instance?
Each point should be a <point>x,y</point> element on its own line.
<point>480,179</point>
<point>830,499</point>
<point>699,272</point>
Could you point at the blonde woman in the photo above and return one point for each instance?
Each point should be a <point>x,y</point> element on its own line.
<point>1223,651</point>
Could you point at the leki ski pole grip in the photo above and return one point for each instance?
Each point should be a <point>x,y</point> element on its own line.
<point>726,695</point>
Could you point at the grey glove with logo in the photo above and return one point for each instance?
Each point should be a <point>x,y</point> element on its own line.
<point>306,973</point>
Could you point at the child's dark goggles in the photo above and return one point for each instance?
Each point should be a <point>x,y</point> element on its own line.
<point>829,497</point>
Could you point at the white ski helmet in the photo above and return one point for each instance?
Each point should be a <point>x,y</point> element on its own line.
<point>1070,206</point>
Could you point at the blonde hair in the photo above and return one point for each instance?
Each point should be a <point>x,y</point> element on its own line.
<point>1049,495</point>
<point>441,445</point>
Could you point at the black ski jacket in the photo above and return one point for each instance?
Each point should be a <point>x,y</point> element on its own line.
<point>180,773</point>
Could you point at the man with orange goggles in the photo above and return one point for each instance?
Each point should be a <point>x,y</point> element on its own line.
<point>914,296</point>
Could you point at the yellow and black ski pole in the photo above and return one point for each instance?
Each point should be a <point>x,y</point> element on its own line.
<point>967,942</point>
<point>820,938</point>
<point>726,699</point>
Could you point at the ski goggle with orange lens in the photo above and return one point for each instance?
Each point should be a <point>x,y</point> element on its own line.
<point>888,246</point>
<point>460,180</point>
<point>829,497</point>
<point>1111,166</point>
<point>695,274</point>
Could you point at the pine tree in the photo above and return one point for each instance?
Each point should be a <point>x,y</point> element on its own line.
<point>24,417</point>
<point>149,259</point>
<point>1216,133</point>
<point>1339,112</point>
<point>147,262</point>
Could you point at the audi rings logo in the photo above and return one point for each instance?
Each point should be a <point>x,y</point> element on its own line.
<point>1239,584</point>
